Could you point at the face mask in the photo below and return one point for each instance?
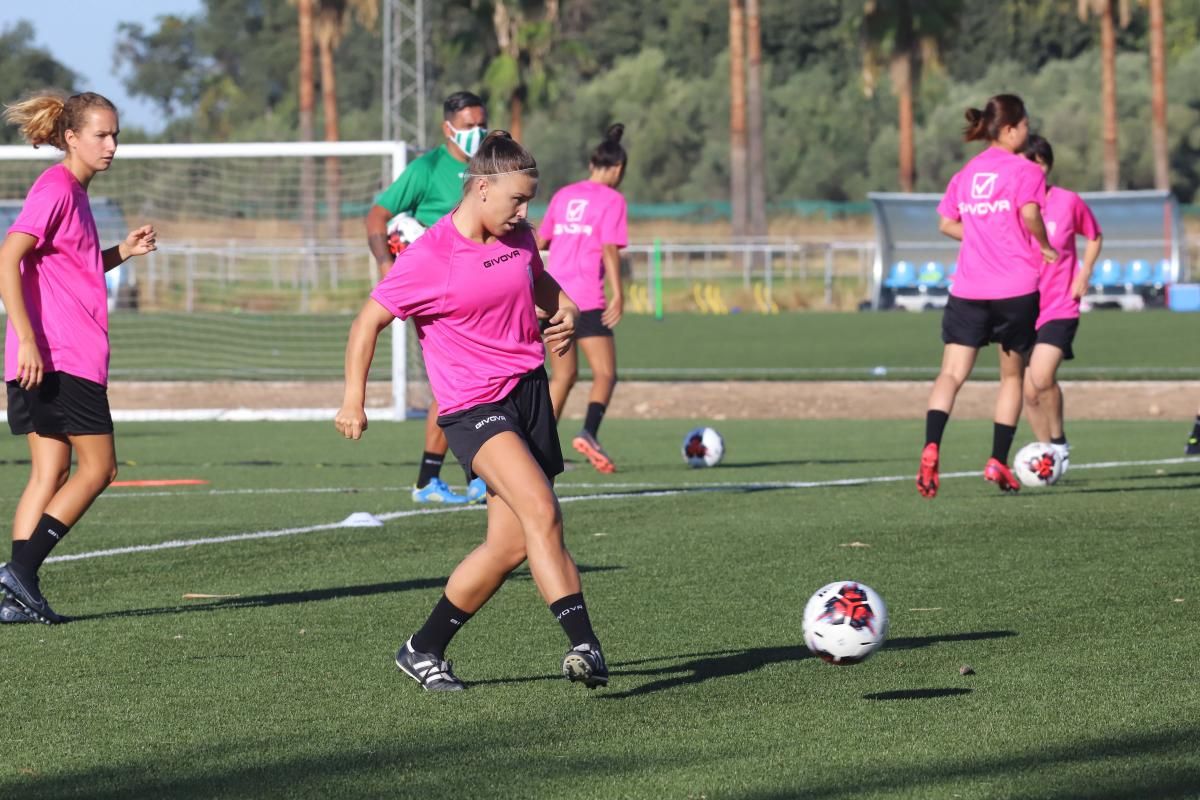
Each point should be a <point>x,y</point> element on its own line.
<point>469,140</point>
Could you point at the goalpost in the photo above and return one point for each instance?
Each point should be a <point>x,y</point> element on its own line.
<point>243,311</point>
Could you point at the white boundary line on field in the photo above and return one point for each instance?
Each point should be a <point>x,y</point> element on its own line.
<point>648,493</point>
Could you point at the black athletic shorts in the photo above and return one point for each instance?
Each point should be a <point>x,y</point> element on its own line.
<point>1061,334</point>
<point>1009,322</point>
<point>63,404</point>
<point>526,411</point>
<point>589,324</point>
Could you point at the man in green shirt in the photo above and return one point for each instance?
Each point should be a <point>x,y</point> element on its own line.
<point>429,189</point>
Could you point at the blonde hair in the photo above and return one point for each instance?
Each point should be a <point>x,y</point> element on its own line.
<point>45,117</point>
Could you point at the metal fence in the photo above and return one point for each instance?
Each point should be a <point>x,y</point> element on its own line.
<point>295,277</point>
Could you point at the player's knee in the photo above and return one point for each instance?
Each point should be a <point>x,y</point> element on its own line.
<point>955,378</point>
<point>544,517</point>
<point>1039,382</point>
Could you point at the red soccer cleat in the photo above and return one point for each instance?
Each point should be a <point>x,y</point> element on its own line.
<point>586,444</point>
<point>927,475</point>
<point>1000,475</point>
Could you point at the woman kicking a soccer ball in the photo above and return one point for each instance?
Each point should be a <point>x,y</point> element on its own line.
<point>56,353</point>
<point>471,283</point>
<point>585,229</point>
<point>1061,286</point>
<point>993,206</point>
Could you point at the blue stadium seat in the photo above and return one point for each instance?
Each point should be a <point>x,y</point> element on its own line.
<point>1162,273</point>
<point>1138,273</point>
<point>903,276</point>
<point>1107,274</point>
<point>932,275</point>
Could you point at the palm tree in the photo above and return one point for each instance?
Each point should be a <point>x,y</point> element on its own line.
<point>907,34</point>
<point>754,111</point>
<point>1104,9</point>
<point>1158,96</point>
<point>331,24</point>
<point>519,72</point>
<point>737,117</point>
<point>308,202</point>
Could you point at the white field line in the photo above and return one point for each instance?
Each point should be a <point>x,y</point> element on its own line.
<point>648,493</point>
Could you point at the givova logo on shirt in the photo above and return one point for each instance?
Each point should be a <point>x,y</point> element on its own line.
<point>983,186</point>
<point>491,262</point>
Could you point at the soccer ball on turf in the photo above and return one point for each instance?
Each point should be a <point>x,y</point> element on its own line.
<point>1038,464</point>
<point>703,447</point>
<point>844,622</point>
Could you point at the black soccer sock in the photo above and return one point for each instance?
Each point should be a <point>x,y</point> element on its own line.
<point>444,621</point>
<point>935,425</point>
<point>1059,439</point>
<point>1196,428</point>
<point>595,415</point>
<point>431,467</point>
<point>1002,438</point>
<point>572,614</point>
<point>17,546</point>
<point>48,533</point>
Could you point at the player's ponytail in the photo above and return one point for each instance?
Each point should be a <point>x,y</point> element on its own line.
<point>610,153</point>
<point>499,154</point>
<point>1002,111</point>
<point>45,117</point>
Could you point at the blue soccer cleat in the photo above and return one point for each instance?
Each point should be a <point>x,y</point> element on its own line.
<point>477,491</point>
<point>436,491</point>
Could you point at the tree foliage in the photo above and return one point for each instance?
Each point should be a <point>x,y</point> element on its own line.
<point>24,67</point>
<point>662,68</point>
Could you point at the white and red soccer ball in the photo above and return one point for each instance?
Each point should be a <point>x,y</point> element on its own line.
<point>844,622</point>
<point>703,447</point>
<point>1038,464</point>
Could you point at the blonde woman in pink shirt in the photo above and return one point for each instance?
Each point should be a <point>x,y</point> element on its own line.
<point>470,284</point>
<point>585,228</point>
<point>1062,285</point>
<point>993,205</point>
<point>56,347</point>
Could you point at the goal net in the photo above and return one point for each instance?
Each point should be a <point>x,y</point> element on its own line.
<point>261,265</point>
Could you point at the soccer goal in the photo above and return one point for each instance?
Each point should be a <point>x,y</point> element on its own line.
<point>1143,253</point>
<point>243,311</point>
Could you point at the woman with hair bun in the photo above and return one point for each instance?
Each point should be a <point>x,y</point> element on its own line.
<point>993,205</point>
<point>585,228</point>
<point>56,348</point>
<point>471,283</point>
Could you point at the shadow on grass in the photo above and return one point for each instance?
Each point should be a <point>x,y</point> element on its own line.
<point>805,462</point>
<point>1059,490</point>
<point>700,667</point>
<point>438,760</point>
<point>295,598</point>
<point>916,694</point>
<point>1119,765</point>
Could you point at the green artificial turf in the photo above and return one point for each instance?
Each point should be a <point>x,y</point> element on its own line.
<point>1075,606</point>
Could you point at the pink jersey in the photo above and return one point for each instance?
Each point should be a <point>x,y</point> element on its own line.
<point>474,311</point>
<point>1067,216</point>
<point>998,258</point>
<point>62,280</point>
<point>581,219</point>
